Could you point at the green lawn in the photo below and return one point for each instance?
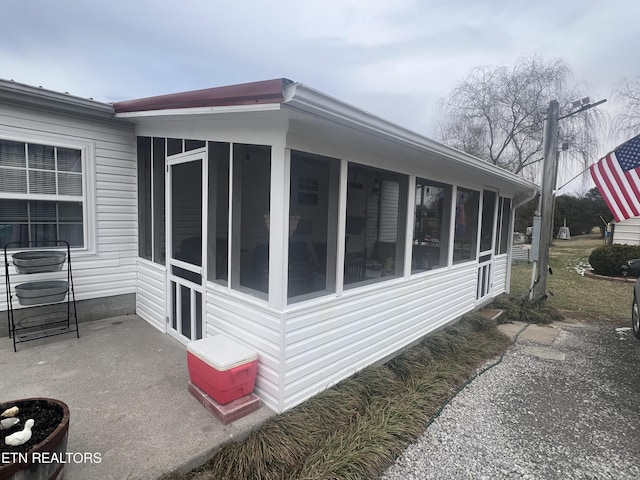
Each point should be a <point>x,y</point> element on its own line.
<point>599,299</point>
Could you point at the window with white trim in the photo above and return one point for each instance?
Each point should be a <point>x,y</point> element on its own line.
<point>41,193</point>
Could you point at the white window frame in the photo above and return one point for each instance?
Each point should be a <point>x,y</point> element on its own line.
<point>87,152</point>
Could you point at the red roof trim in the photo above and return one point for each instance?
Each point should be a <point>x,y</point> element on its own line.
<point>267,91</point>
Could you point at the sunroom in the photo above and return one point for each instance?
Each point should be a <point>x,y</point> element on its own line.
<point>319,235</point>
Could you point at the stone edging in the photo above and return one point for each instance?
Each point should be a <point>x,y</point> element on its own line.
<point>590,274</point>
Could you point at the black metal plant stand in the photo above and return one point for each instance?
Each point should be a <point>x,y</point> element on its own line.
<point>41,292</point>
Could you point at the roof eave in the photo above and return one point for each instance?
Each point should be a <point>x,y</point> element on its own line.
<point>306,99</point>
<point>21,94</point>
<point>179,112</point>
<point>254,93</point>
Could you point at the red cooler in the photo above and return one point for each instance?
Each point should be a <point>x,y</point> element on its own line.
<point>222,368</point>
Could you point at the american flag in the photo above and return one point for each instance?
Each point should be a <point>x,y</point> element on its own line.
<point>617,178</point>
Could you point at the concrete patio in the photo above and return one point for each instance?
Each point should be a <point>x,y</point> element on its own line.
<point>126,387</point>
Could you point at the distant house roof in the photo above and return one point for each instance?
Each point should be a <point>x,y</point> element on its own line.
<point>266,91</point>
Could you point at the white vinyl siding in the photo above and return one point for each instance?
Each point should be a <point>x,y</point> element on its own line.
<point>627,232</point>
<point>151,293</point>
<point>330,341</point>
<point>500,266</point>
<point>254,325</point>
<point>106,265</point>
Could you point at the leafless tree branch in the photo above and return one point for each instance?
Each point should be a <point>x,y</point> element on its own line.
<point>497,114</point>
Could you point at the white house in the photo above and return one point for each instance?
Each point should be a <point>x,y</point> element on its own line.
<point>627,231</point>
<point>68,170</point>
<point>317,234</point>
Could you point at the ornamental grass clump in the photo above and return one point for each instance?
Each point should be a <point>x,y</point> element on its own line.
<point>525,310</point>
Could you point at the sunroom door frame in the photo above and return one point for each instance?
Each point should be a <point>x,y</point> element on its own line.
<point>175,281</point>
<point>484,286</point>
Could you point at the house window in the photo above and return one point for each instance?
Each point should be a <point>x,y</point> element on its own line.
<point>431,225</point>
<point>502,225</point>
<point>250,219</point>
<point>374,235</point>
<point>151,195</point>
<point>465,238</point>
<point>313,216</point>
<point>41,193</point>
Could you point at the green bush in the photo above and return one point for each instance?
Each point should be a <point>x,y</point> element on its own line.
<point>608,259</point>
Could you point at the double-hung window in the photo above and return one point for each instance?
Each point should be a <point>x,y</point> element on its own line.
<point>41,193</point>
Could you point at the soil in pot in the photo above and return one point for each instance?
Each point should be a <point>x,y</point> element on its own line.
<point>46,416</point>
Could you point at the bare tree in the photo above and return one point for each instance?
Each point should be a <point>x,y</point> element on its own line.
<point>626,96</point>
<point>497,114</point>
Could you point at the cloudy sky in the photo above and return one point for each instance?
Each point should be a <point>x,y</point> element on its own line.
<point>393,58</point>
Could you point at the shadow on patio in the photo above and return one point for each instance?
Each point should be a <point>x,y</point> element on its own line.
<point>126,387</point>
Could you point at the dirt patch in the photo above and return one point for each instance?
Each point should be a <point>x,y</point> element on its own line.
<point>589,318</point>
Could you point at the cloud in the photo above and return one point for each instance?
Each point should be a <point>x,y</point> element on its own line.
<point>392,58</point>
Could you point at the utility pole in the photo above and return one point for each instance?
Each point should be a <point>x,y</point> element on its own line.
<point>547,195</point>
<point>550,143</point>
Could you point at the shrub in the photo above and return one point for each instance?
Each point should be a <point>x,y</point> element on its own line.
<point>609,259</point>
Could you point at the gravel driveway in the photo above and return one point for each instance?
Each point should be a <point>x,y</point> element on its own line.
<point>541,418</point>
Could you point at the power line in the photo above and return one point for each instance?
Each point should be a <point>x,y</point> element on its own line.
<point>560,188</point>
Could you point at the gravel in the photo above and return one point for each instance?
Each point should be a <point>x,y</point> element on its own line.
<point>536,418</point>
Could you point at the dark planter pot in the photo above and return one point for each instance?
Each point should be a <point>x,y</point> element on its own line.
<point>52,447</point>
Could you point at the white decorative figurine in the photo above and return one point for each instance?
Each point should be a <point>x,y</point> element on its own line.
<point>10,412</point>
<point>7,423</point>
<point>22,436</point>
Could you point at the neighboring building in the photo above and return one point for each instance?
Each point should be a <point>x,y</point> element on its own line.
<point>627,231</point>
<point>319,235</point>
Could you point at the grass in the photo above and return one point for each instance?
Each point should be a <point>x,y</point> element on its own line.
<point>356,429</point>
<point>572,292</point>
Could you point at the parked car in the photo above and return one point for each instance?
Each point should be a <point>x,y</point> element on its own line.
<point>633,268</point>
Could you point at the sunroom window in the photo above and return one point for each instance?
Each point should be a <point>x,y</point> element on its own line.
<point>466,225</point>
<point>218,213</point>
<point>488,216</point>
<point>151,209</point>
<point>431,238</point>
<point>376,213</point>
<point>312,225</point>
<point>502,225</point>
<point>250,219</point>
<point>41,194</point>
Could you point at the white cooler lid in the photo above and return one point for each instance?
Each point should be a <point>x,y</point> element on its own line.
<point>221,352</point>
